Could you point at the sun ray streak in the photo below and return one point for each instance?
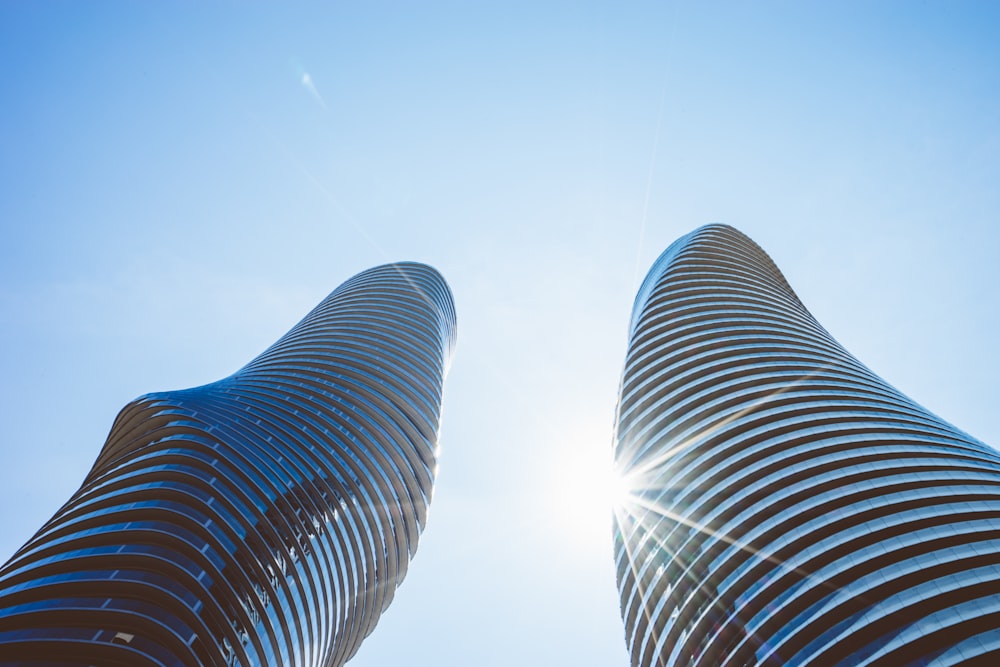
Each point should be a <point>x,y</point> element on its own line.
<point>647,467</point>
<point>649,186</point>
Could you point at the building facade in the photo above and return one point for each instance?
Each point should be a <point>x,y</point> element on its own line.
<point>788,506</point>
<point>263,519</point>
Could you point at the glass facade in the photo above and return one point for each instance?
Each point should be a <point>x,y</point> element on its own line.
<point>266,518</point>
<point>787,506</point>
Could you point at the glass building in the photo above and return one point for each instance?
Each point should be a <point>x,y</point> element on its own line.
<point>266,518</point>
<point>787,505</point>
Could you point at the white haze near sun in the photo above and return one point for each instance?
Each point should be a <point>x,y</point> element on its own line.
<point>181,183</point>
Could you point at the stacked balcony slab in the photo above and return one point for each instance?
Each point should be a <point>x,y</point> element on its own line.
<point>788,506</point>
<point>264,519</point>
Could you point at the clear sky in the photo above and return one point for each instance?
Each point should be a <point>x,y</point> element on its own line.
<point>181,182</point>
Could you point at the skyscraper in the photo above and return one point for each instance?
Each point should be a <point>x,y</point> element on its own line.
<point>788,506</point>
<point>266,518</point>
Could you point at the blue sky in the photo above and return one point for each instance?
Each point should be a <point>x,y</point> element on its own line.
<point>180,183</point>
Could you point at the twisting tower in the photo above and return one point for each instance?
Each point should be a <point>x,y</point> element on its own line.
<point>264,519</point>
<point>789,507</point>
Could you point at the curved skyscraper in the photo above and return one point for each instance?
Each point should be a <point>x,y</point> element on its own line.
<point>263,519</point>
<point>788,506</point>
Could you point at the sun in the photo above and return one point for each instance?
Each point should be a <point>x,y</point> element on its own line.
<point>584,491</point>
